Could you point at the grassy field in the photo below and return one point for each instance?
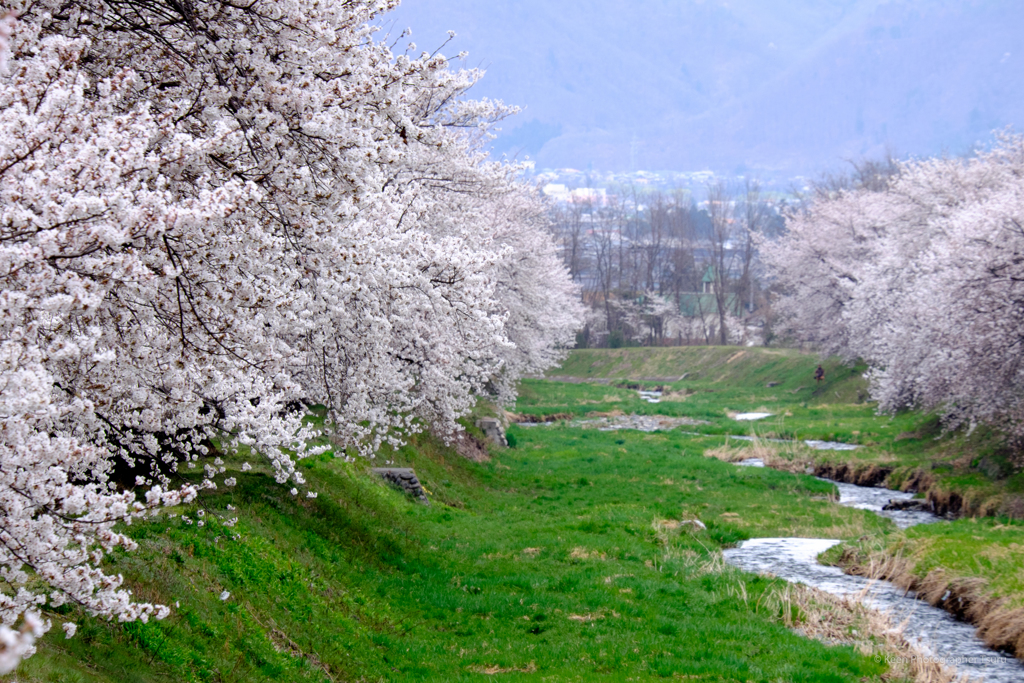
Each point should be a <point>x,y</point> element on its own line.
<point>973,566</point>
<point>713,383</point>
<point>565,558</point>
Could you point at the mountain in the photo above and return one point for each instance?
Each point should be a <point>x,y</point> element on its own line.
<point>793,86</point>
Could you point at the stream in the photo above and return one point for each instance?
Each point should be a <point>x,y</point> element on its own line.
<point>937,633</point>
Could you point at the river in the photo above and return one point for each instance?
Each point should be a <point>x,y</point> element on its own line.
<point>932,629</point>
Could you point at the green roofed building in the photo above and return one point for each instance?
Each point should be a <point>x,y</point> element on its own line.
<point>696,304</point>
<point>702,303</point>
<point>707,283</point>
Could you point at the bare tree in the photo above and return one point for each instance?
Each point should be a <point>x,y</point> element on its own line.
<point>570,229</point>
<point>755,214</point>
<point>641,245</point>
<point>720,211</point>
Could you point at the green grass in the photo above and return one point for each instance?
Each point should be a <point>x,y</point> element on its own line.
<point>557,561</point>
<point>718,381</point>
<point>987,548</point>
<point>985,553</point>
<point>979,468</point>
<point>710,383</point>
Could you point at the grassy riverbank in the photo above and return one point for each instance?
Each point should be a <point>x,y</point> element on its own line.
<point>971,475</point>
<point>569,557</point>
<point>974,566</point>
<point>566,558</point>
<point>971,567</point>
<point>563,558</point>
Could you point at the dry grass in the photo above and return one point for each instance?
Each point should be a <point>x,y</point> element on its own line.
<point>837,621</point>
<point>471,448</point>
<point>789,457</point>
<point>581,553</point>
<point>694,563</point>
<point>846,620</point>
<point>492,670</point>
<point>607,413</point>
<point>585,618</point>
<point>736,356</point>
<point>967,598</point>
<point>676,396</point>
<point>664,526</point>
<point>834,619</point>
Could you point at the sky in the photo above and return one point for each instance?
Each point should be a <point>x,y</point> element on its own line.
<point>793,87</point>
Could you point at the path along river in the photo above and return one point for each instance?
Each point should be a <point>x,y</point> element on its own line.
<point>937,633</point>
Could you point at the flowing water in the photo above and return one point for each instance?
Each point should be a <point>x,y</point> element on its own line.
<point>935,631</point>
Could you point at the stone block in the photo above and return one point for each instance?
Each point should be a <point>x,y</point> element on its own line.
<point>493,430</point>
<point>404,479</point>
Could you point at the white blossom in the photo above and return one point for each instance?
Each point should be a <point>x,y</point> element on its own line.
<point>18,644</point>
<point>922,278</point>
<point>193,236</point>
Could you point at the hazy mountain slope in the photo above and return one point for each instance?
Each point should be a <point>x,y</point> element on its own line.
<point>796,84</point>
<point>917,83</point>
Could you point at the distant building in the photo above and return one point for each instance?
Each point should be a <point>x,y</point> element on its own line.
<point>560,192</point>
<point>707,283</point>
<point>557,191</point>
<point>700,304</point>
<point>705,302</point>
<point>589,195</point>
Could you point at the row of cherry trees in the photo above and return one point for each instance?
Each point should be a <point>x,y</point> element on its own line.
<point>918,268</point>
<point>210,211</point>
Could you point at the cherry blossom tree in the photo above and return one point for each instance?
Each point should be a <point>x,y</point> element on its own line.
<point>921,276</point>
<point>79,193</point>
<point>209,211</point>
<point>533,287</point>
